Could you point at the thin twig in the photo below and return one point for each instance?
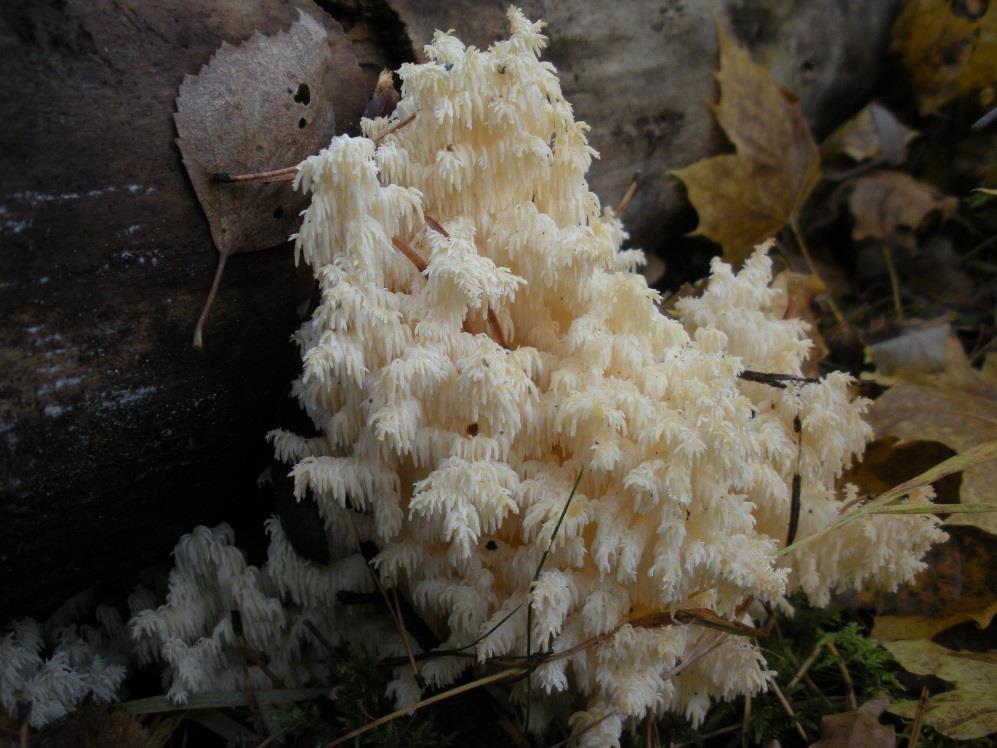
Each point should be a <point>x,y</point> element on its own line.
<point>805,251</point>
<point>788,709</point>
<point>215,283</point>
<point>321,638</point>
<point>745,723</point>
<point>503,675</point>
<point>393,129</point>
<point>570,738</point>
<point>915,732</point>
<point>493,320</point>
<point>705,736</point>
<point>845,675</point>
<point>891,270</point>
<point>628,196</point>
<point>403,632</point>
<point>410,254</point>
<point>806,665</point>
<point>774,380</point>
<point>529,600</point>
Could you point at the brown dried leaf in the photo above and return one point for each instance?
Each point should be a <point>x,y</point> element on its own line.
<point>957,407</point>
<point>268,103</point>
<point>745,198</point>
<point>858,729</point>
<point>874,132</point>
<point>885,201</point>
<point>949,48</point>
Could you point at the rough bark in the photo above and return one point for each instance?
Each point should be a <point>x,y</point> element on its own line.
<point>116,436</point>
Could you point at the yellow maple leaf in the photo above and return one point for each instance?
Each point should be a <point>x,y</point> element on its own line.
<point>747,197</point>
<point>950,51</point>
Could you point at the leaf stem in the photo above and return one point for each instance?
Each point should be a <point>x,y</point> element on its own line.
<point>891,270</point>
<point>202,320</point>
<point>805,251</point>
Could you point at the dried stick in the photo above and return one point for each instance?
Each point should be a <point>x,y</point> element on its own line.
<point>845,675</point>
<point>805,251</point>
<point>745,724</point>
<point>628,196</point>
<point>493,322</point>
<point>915,732</point>
<point>410,254</point>
<point>807,663</point>
<point>393,129</point>
<point>891,270</point>
<point>789,710</point>
<point>503,675</point>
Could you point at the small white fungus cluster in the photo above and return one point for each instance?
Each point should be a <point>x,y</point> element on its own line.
<point>50,668</point>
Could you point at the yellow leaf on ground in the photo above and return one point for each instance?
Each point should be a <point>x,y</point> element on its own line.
<point>968,711</point>
<point>957,407</point>
<point>949,48</point>
<point>747,197</point>
<point>889,200</point>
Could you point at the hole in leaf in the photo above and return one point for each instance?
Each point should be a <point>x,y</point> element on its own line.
<point>301,123</point>
<point>304,94</point>
<point>279,213</point>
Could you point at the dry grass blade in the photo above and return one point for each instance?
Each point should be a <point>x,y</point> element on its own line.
<point>286,174</point>
<point>221,700</point>
<point>789,710</point>
<point>628,196</point>
<point>529,603</point>
<point>976,455</point>
<point>853,703</point>
<point>394,128</point>
<point>915,731</point>
<point>449,694</point>
<point>807,663</point>
<point>974,508</point>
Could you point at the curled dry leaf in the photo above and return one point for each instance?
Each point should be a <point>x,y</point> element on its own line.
<point>873,133</point>
<point>969,710</point>
<point>886,201</point>
<point>919,348</point>
<point>950,49</point>
<point>957,407</point>
<point>858,729</point>
<point>747,197</point>
<point>269,102</point>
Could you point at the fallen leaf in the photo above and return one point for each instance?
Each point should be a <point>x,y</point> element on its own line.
<point>886,201</point>
<point>969,710</point>
<point>957,587</point>
<point>800,290</point>
<point>920,347</point>
<point>873,133</point>
<point>957,407</point>
<point>858,729</point>
<point>747,197</point>
<point>267,103</point>
<point>950,49</point>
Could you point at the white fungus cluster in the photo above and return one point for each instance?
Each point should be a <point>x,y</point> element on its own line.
<point>50,668</point>
<point>482,339</point>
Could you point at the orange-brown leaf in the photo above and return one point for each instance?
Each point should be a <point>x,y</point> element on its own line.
<point>949,48</point>
<point>745,198</point>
